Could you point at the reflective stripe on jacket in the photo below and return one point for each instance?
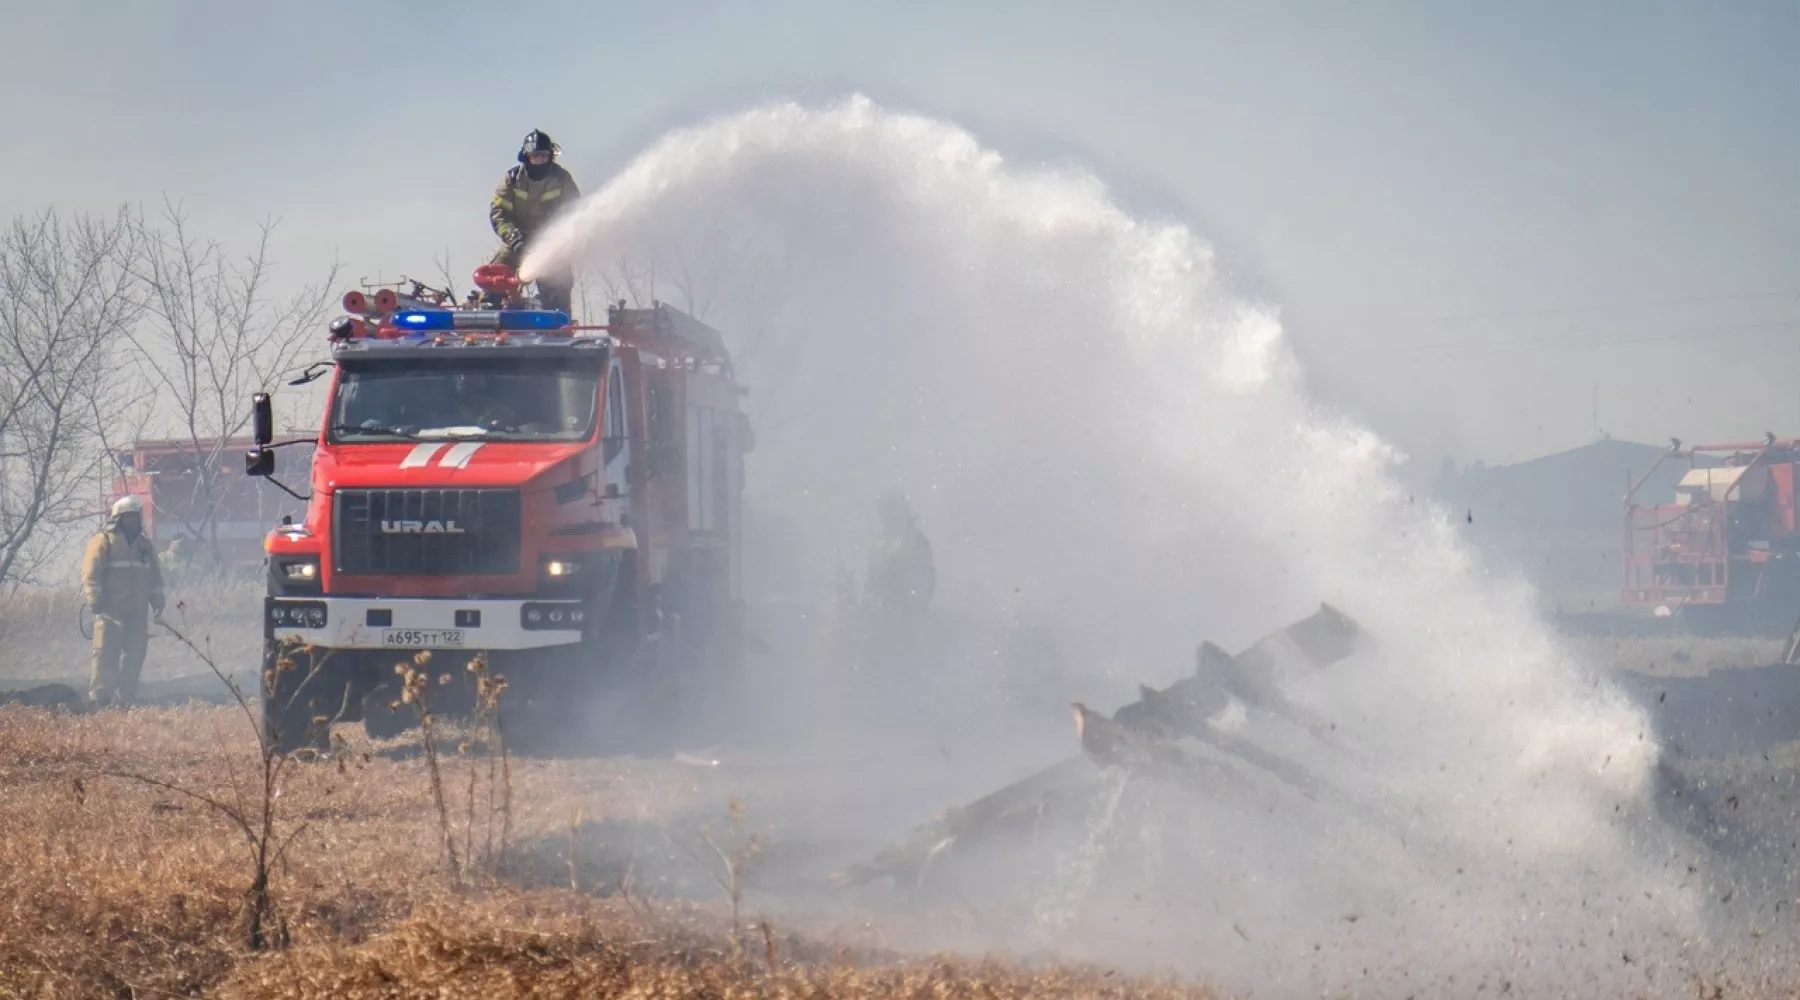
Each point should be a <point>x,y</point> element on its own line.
<point>525,206</point>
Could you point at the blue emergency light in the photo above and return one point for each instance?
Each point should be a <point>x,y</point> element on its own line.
<point>436,320</point>
<point>425,320</point>
<point>533,319</point>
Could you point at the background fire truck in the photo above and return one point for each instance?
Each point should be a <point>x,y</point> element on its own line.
<point>218,528</point>
<point>1725,553</point>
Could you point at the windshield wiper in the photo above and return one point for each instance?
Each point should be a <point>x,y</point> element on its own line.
<point>373,428</point>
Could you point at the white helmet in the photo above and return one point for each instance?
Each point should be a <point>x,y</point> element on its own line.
<point>127,504</point>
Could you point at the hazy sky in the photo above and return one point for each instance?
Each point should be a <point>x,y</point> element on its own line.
<point>1476,218</point>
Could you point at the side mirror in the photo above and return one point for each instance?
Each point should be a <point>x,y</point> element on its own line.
<point>259,462</point>
<point>263,419</point>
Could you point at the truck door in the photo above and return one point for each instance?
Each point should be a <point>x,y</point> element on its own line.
<point>616,450</point>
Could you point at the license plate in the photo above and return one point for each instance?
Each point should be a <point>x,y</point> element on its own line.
<point>416,638</point>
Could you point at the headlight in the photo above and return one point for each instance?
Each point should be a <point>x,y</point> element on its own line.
<point>301,571</point>
<point>561,568</point>
<point>564,574</point>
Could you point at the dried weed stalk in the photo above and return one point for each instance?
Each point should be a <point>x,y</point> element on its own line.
<point>492,738</point>
<point>489,736</point>
<point>734,863</point>
<point>414,691</point>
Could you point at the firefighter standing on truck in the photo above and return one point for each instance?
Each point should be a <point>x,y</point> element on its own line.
<point>529,196</point>
<point>122,582</point>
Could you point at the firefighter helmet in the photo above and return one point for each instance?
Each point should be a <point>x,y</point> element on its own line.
<point>127,504</point>
<point>538,141</point>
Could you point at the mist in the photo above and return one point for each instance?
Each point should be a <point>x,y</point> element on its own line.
<point>1162,318</point>
<point>1107,443</point>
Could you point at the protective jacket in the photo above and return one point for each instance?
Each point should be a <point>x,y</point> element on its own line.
<point>522,207</point>
<point>120,576</point>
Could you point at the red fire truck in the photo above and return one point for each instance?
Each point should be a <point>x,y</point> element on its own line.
<point>1725,553</point>
<point>563,499</point>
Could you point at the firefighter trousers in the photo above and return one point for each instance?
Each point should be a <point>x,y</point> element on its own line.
<point>120,642</point>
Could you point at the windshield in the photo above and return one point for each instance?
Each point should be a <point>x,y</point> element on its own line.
<point>513,399</point>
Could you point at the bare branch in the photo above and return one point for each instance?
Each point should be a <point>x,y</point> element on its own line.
<point>68,302</point>
<point>218,334</point>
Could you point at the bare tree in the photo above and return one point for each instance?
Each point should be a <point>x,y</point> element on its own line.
<point>68,300</point>
<point>630,279</point>
<point>217,335</point>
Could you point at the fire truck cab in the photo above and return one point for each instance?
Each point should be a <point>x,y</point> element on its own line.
<point>562,499</point>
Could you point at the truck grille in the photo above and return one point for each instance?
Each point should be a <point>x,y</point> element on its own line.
<point>417,532</point>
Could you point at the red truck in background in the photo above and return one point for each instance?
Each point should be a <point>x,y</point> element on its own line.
<point>217,531</point>
<point>562,499</point>
<point>1724,553</point>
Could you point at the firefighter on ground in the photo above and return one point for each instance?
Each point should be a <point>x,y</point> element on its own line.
<point>122,582</point>
<point>529,196</point>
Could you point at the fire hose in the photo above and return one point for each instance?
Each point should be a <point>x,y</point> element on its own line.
<point>83,621</point>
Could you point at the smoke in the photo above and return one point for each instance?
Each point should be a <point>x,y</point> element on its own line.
<point>1104,441</point>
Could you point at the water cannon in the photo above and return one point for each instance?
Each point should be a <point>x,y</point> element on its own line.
<point>497,279</point>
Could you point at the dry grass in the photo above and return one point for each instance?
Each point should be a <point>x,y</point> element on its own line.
<point>118,888</point>
<point>41,632</point>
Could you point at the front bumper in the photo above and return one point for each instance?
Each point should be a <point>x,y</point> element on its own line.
<point>425,623</point>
